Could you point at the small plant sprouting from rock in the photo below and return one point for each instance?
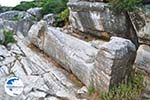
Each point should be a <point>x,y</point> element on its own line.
<point>8,37</point>
<point>91,90</point>
<point>16,18</point>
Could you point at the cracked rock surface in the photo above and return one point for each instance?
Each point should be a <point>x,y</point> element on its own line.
<point>43,78</point>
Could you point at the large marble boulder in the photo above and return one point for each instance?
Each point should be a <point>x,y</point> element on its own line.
<point>98,19</point>
<point>18,21</point>
<point>36,12</point>
<point>101,67</point>
<point>49,18</point>
<point>23,26</point>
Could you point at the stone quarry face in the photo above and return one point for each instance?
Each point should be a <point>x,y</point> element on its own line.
<point>98,19</point>
<point>141,22</point>
<point>110,64</point>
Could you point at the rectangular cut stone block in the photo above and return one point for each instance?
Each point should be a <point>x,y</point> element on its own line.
<point>113,63</point>
<point>101,67</point>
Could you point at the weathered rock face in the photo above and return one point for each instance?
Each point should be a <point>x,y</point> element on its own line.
<point>101,68</point>
<point>23,26</point>
<point>2,37</point>
<point>67,51</point>
<point>142,61</point>
<point>98,19</point>
<point>141,22</point>
<point>36,12</point>
<point>113,62</point>
<point>142,64</point>
<point>41,77</point>
<point>19,22</point>
<point>49,18</point>
<point>8,25</point>
<point>12,15</point>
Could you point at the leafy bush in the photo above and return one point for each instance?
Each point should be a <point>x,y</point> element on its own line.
<point>58,7</point>
<point>54,6</point>
<point>48,6</point>
<point>62,18</point>
<point>23,6</point>
<point>129,91</point>
<point>9,37</point>
<point>125,5</point>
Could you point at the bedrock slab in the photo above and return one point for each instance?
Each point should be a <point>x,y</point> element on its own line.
<point>100,67</point>
<point>42,78</point>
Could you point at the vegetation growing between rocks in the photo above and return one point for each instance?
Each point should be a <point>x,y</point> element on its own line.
<point>130,91</point>
<point>8,37</point>
<point>58,7</point>
<point>53,6</point>
<point>62,18</point>
<point>91,90</point>
<point>125,5</point>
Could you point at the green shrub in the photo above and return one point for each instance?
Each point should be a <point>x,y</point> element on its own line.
<point>62,18</point>
<point>125,5</point>
<point>129,91</point>
<point>54,6</point>
<point>48,6</point>
<point>58,7</point>
<point>9,37</point>
<point>16,18</point>
<point>25,6</point>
